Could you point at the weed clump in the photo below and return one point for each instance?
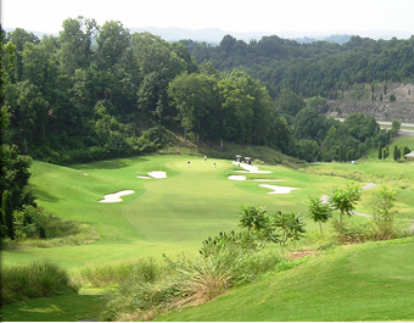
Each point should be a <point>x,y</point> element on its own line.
<point>188,281</point>
<point>38,279</point>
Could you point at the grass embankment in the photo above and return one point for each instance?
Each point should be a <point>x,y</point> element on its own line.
<point>371,282</point>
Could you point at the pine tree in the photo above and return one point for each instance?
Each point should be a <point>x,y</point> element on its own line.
<point>379,151</point>
<point>395,153</point>
<point>8,213</point>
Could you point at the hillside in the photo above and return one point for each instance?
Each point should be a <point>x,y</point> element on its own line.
<point>360,101</point>
<point>363,283</point>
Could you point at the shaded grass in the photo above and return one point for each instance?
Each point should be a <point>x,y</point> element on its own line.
<point>70,308</point>
<point>38,279</point>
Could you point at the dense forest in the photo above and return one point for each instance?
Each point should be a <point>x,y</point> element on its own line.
<point>98,92</point>
<point>318,68</point>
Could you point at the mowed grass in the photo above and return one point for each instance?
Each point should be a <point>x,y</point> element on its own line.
<point>56,309</point>
<point>373,282</point>
<point>397,176</point>
<point>164,215</point>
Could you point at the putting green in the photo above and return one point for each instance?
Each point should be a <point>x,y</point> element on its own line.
<point>164,215</point>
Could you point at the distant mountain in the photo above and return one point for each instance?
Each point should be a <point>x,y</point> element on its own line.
<point>215,35</point>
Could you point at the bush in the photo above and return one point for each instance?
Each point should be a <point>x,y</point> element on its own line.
<point>108,274</point>
<point>38,279</point>
<point>191,280</point>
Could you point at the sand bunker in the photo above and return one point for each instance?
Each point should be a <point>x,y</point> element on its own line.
<point>278,189</point>
<point>237,177</point>
<point>369,186</point>
<point>116,197</point>
<point>158,174</point>
<point>144,177</point>
<point>250,169</point>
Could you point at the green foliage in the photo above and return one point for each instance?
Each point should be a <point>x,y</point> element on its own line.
<point>114,273</point>
<point>344,200</point>
<point>319,211</point>
<point>253,218</point>
<point>383,213</point>
<point>7,211</point>
<point>38,279</point>
<point>188,281</point>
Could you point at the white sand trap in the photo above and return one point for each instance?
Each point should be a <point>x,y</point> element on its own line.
<point>266,180</point>
<point>278,189</point>
<point>237,177</point>
<point>144,177</point>
<point>324,199</point>
<point>251,169</point>
<point>84,174</point>
<point>369,186</point>
<point>158,174</point>
<point>116,197</point>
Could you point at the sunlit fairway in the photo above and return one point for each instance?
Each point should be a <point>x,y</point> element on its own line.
<point>163,215</point>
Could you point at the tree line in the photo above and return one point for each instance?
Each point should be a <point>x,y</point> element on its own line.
<point>311,69</point>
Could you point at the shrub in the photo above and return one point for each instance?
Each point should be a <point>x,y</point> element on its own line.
<point>38,279</point>
<point>108,274</point>
<point>192,280</point>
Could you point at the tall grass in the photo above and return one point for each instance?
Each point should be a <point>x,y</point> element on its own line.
<point>188,281</point>
<point>38,279</point>
<point>114,273</point>
<point>59,232</point>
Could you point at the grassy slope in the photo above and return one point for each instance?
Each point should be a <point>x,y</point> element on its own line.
<point>164,215</point>
<point>373,282</point>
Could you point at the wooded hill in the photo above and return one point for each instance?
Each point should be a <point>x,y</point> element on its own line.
<point>318,68</point>
<point>98,92</point>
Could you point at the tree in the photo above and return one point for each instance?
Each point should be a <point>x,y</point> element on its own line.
<point>252,218</point>
<point>379,151</point>
<point>309,124</point>
<point>319,211</point>
<point>289,102</point>
<point>113,39</point>
<point>344,200</point>
<point>195,96</point>
<point>7,209</point>
<point>395,154</point>
<point>395,127</point>
<point>383,213</point>
<point>290,225</point>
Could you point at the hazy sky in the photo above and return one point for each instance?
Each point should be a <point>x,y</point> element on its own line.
<point>228,15</point>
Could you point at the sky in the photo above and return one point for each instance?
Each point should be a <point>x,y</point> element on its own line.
<point>229,15</point>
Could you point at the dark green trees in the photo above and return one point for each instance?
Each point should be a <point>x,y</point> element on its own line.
<point>7,210</point>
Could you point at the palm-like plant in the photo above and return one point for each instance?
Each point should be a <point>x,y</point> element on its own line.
<point>319,211</point>
<point>344,200</point>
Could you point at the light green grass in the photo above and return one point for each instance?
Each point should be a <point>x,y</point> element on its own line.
<point>365,283</point>
<point>164,215</point>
